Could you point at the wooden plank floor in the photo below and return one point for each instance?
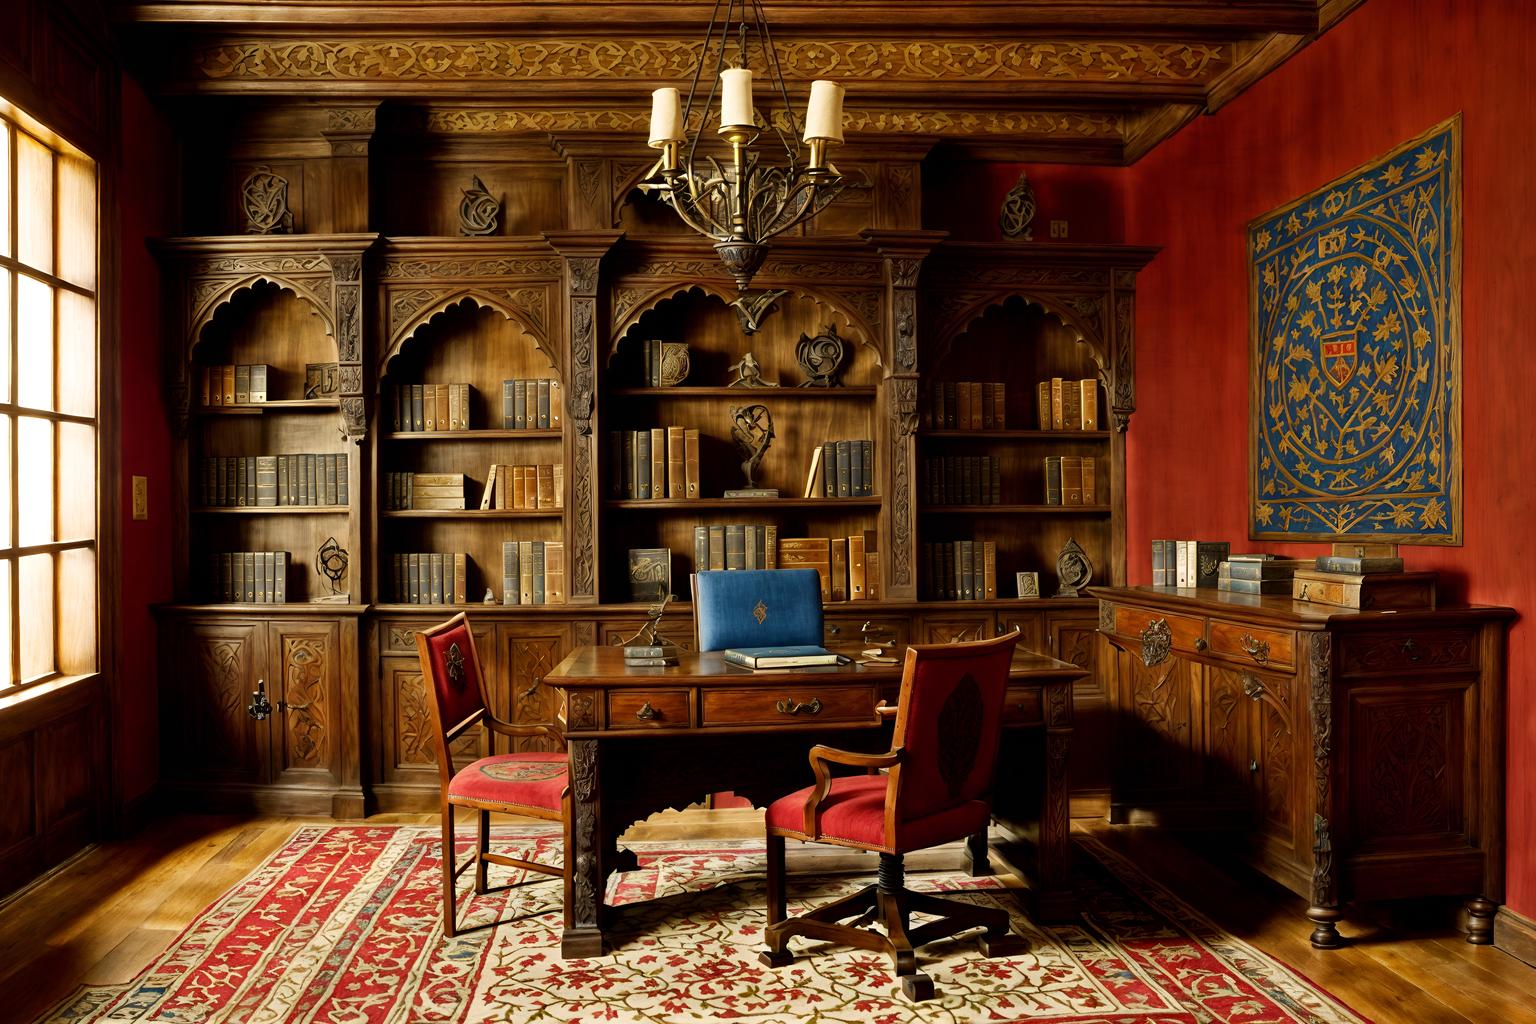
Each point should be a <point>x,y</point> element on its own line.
<point>104,916</point>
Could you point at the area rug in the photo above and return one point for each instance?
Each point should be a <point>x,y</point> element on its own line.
<point>342,926</point>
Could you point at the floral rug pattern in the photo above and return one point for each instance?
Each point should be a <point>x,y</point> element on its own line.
<point>342,926</point>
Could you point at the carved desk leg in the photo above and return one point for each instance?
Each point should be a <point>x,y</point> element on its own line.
<point>583,935</point>
<point>1054,899</point>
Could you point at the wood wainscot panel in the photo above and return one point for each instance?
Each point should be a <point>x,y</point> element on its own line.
<point>614,632</point>
<point>410,750</point>
<point>953,629</point>
<point>18,810</point>
<point>527,651</point>
<point>850,629</point>
<point>1031,627</point>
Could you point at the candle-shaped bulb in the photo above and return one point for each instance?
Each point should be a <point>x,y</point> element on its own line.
<point>736,98</point>
<point>824,116</point>
<point>666,118</point>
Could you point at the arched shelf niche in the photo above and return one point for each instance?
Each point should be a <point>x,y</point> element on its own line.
<point>468,340</point>
<point>701,316</point>
<point>264,320</point>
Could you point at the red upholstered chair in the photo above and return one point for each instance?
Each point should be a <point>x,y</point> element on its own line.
<point>935,786</point>
<point>530,783</point>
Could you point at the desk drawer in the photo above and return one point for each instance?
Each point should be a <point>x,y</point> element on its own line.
<point>787,705</point>
<point>1023,706</point>
<point>1265,648</point>
<point>649,709</point>
<point>1186,632</point>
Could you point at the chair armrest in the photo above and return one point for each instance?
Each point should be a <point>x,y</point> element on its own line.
<point>822,759</point>
<point>496,725</point>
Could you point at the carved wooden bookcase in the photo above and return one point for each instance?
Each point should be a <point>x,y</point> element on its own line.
<point>573,296</point>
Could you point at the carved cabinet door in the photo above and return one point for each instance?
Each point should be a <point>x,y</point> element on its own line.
<point>1272,732</point>
<point>528,650</point>
<point>205,691</point>
<point>1229,763</point>
<point>304,666</point>
<point>1156,734</point>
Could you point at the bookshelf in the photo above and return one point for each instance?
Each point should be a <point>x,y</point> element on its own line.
<point>577,307</point>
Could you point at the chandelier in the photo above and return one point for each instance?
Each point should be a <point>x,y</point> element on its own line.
<point>743,201</point>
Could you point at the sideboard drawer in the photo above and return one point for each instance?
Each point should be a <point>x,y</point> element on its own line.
<point>1187,632</point>
<point>1251,645</point>
<point>653,709</point>
<point>787,705</point>
<point>1366,653</point>
<point>1023,706</point>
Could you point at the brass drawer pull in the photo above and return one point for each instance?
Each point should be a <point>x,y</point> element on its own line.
<point>647,713</point>
<point>788,706</point>
<point>1411,650</point>
<point>1156,642</point>
<point>1202,644</point>
<point>1258,650</point>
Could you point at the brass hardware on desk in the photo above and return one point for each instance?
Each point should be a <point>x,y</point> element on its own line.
<point>1258,650</point>
<point>1201,644</point>
<point>647,713</point>
<point>1253,765</point>
<point>834,629</point>
<point>260,708</point>
<point>1253,688</point>
<point>1411,650</point>
<point>788,706</point>
<point>1156,642</point>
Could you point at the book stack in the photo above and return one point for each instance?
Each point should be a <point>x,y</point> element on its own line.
<point>273,481</point>
<point>533,572</point>
<point>662,462</point>
<point>524,487</point>
<point>1258,574</point>
<point>430,578</point>
<point>418,407</point>
<point>965,405</point>
<point>735,546</point>
<point>234,384</point>
<point>441,491</point>
<point>657,655</point>
<point>798,656</point>
<point>1071,480</point>
<point>960,570</point>
<point>962,480</point>
<point>1188,563</point>
<point>842,469</point>
<point>530,404</point>
<point>249,577</point>
<point>1365,582</point>
<point>1067,404</point>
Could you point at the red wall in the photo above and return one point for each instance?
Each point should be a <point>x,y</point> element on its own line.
<point>1388,72</point>
<point>147,201</point>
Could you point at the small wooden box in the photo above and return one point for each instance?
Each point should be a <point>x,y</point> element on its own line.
<point>1368,591</point>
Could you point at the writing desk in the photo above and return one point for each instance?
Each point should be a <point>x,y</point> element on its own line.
<point>641,740</point>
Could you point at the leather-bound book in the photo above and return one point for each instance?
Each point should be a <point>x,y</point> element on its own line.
<point>508,405</point>
<point>540,577</point>
<point>691,486</point>
<point>989,570</point>
<point>736,546</point>
<point>1071,480</point>
<point>1043,404</point>
<point>856,579</point>
<point>809,553</point>
<point>442,407</point>
<point>266,481</point>
<point>1058,414</point>
<point>1088,403</point>
<point>554,572</point>
<point>545,486</point>
<point>844,470</point>
<point>839,551</point>
<point>677,474</point>
<point>559,473</point>
<point>520,405</point>
<point>658,462</point>
<point>460,578</point>
<point>525,572</point>
<point>510,574</point>
<point>1071,406</point>
<point>541,421</point>
<point>554,404</point>
<point>1090,487</point>
<point>1000,406</point>
<point>700,548</point>
<point>770,546</point>
<point>242,384</point>
<point>643,464</point>
<point>716,548</point>
<point>976,404</point>
<point>1053,495</point>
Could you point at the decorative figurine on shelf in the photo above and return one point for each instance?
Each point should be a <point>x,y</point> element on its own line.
<point>752,308</point>
<point>820,358</point>
<point>674,363</point>
<point>264,198</point>
<point>331,562</point>
<point>1018,212</point>
<point>749,374</point>
<point>478,210</point>
<point>1073,570</point>
<point>752,430</point>
<point>1028,583</point>
<point>490,597</point>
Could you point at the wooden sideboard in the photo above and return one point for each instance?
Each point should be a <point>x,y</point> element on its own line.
<point>1359,755</point>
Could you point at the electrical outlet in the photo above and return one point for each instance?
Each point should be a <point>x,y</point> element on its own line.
<point>1058,229</point>
<point>141,497</point>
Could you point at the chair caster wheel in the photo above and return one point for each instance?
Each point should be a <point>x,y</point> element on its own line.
<point>769,958</point>
<point>993,946</point>
<point>917,987</point>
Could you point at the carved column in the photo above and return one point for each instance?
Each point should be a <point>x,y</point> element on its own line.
<point>346,301</point>
<point>349,131</point>
<point>582,253</point>
<point>1324,908</point>
<point>583,935</point>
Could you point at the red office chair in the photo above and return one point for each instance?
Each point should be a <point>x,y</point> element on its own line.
<point>936,787</point>
<point>531,783</point>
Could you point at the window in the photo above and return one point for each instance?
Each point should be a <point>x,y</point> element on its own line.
<point>48,370</point>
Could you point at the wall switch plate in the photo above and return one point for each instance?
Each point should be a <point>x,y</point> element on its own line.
<point>141,497</point>
<point>1058,229</point>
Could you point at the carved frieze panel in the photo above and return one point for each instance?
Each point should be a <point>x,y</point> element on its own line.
<point>461,269</point>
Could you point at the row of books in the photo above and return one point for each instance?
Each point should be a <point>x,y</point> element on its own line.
<point>273,481</point>
<point>524,487</point>
<point>849,566</point>
<point>733,546</point>
<point>1063,404</point>
<point>430,577</point>
<point>962,480</point>
<point>842,469</point>
<point>233,383</point>
<point>662,462</point>
<point>444,491</point>
<point>530,404</point>
<point>965,405</point>
<point>1071,480</point>
<point>533,572</point>
<point>249,577</point>
<point>417,407</point>
<point>959,570</point>
<point>1188,563</point>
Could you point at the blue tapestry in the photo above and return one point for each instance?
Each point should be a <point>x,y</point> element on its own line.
<point>1356,353</point>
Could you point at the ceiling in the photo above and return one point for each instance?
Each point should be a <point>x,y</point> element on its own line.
<point>1060,80</point>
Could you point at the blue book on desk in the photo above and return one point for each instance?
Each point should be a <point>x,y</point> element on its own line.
<point>758,608</point>
<point>795,656</point>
